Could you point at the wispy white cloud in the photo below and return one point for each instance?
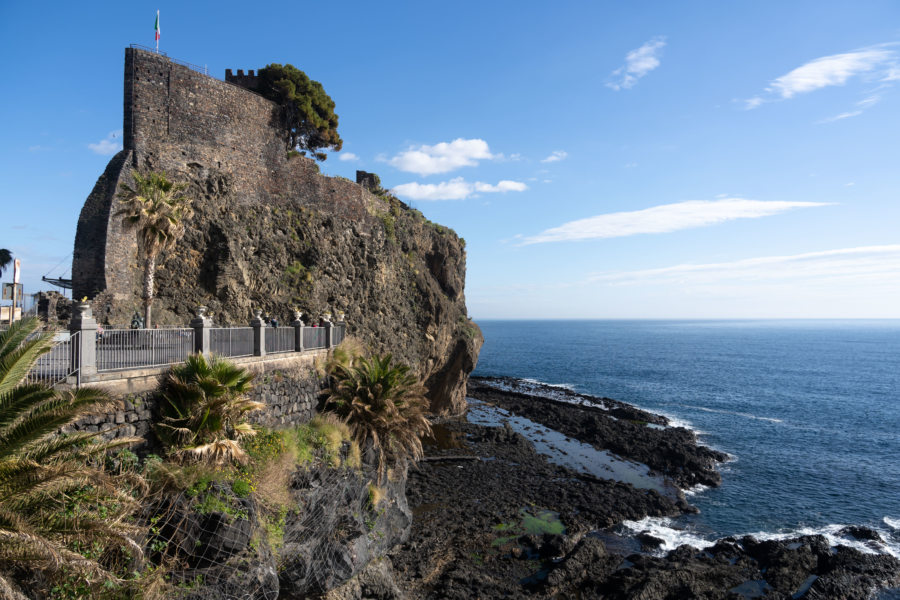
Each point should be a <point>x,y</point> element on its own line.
<point>347,156</point>
<point>841,116</point>
<point>862,105</point>
<point>455,189</point>
<point>442,157</point>
<point>875,62</point>
<point>111,144</point>
<point>556,156</point>
<point>753,102</point>
<point>665,218</point>
<point>873,264</point>
<point>638,63</point>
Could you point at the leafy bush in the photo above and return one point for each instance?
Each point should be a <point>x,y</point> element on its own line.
<point>204,409</point>
<point>384,406</point>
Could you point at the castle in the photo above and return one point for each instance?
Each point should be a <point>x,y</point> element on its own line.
<point>218,135</point>
<point>269,232</point>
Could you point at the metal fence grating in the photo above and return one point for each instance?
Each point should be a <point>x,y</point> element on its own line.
<point>280,339</point>
<point>338,334</point>
<point>59,363</point>
<point>131,348</point>
<point>313,337</point>
<point>231,341</point>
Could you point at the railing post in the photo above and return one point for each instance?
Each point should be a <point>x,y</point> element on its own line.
<point>259,334</point>
<point>329,329</point>
<point>297,323</point>
<point>84,351</point>
<point>342,326</point>
<point>201,325</point>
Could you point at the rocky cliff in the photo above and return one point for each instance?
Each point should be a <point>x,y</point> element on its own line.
<point>270,232</point>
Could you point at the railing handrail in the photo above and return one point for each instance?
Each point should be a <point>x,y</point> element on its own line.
<point>88,349</point>
<point>197,68</point>
<point>202,70</point>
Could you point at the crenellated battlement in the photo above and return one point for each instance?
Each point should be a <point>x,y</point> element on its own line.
<point>249,81</point>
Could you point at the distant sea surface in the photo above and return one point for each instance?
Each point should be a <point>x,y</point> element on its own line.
<point>810,410</point>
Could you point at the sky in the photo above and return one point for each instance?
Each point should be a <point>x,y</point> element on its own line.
<point>602,159</point>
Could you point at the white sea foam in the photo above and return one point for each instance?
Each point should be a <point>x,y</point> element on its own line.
<point>678,422</point>
<point>832,533</point>
<point>561,392</point>
<point>697,489</point>
<point>736,413</point>
<point>563,386</point>
<point>661,527</point>
<point>892,523</point>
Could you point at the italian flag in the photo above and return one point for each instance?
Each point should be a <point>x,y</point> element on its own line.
<point>156,26</point>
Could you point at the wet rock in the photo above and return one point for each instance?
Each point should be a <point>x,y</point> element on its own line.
<point>649,541</point>
<point>861,533</point>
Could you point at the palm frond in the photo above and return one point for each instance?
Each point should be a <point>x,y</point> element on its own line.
<point>383,404</point>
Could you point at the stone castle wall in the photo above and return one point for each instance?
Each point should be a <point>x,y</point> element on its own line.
<point>220,137</point>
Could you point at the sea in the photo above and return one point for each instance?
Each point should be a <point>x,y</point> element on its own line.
<point>808,411</point>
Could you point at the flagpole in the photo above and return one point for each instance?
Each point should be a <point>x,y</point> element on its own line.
<point>156,35</point>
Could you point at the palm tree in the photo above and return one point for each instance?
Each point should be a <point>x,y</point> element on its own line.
<point>5,259</point>
<point>156,208</point>
<point>204,408</point>
<point>52,501</point>
<point>384,405</point>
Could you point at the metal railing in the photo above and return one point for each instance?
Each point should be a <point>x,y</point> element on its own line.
<point>231,341</point>
<point>338,333</point>
<point>313,337</point>
<point>131,348</point>
<point>191,66</point>
<point>59,364</point>
<point>280,339</point>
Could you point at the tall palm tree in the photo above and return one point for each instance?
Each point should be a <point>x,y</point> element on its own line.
<point>5,259</point>
<point>43,472</point>
<point>156,208</point>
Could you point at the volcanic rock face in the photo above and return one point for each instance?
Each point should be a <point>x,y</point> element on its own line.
<point>398,277</point>
<point>270,232</point>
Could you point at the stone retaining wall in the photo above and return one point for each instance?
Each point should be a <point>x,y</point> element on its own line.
<point>289,387</point>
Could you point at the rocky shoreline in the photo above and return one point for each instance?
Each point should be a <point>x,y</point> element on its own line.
<point>493,518</point>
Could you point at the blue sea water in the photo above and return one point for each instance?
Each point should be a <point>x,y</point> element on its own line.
<point>810,410</point>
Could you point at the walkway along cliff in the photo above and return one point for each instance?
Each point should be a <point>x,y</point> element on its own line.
<point>270,232</point>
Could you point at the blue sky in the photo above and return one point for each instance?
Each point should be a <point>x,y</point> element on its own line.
<point>601,159</point>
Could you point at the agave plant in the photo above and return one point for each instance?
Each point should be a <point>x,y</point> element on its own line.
<point>204,407</point>
<point>383,404</point>
<point>42,470</point>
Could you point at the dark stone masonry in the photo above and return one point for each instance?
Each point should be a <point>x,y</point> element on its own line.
<point>290,388</point>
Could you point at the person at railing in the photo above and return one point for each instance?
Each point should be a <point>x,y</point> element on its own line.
<point>273,322</point>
